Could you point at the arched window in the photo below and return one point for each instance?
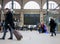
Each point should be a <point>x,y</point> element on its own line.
<point>15,6</point>
<point>31,5</point>
<point>52,5</point>
<point>0,5</point>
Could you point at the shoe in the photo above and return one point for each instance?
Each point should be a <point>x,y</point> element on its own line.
<point>55,34</point>
<point>2,38</point>
<point>10,38</point>
<point>51,35</point>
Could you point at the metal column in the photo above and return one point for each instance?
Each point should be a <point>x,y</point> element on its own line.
<point>12,3</point>
<point>47,18</point>
<point>21,4</point>
<point>2,4</point>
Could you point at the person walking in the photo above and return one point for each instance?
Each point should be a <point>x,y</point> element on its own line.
<point>8,22</point>
<point>52,25</point>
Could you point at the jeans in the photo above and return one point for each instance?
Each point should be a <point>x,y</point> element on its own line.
<point>5,30</point>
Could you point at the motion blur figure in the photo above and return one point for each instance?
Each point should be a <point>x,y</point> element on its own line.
<point>8,22</point>
<point>52,25</point>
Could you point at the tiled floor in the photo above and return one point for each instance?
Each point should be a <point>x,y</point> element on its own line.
<point>32,38</point>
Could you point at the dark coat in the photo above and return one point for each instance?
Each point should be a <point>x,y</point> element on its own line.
<point>52,25</point>
<point>9,19</point>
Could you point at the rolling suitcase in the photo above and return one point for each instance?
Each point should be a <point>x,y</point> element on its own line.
<point>17,35</point>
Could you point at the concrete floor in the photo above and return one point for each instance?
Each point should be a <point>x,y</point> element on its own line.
<point>32,38</point>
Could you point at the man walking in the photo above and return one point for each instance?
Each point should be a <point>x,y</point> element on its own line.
<point>52,25</point>
<point>8,22</point>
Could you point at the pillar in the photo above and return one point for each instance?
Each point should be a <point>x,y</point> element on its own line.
<point>41,13</point>
<point>22,15</point>
<point>41,17</point>
<point>22,19</point>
